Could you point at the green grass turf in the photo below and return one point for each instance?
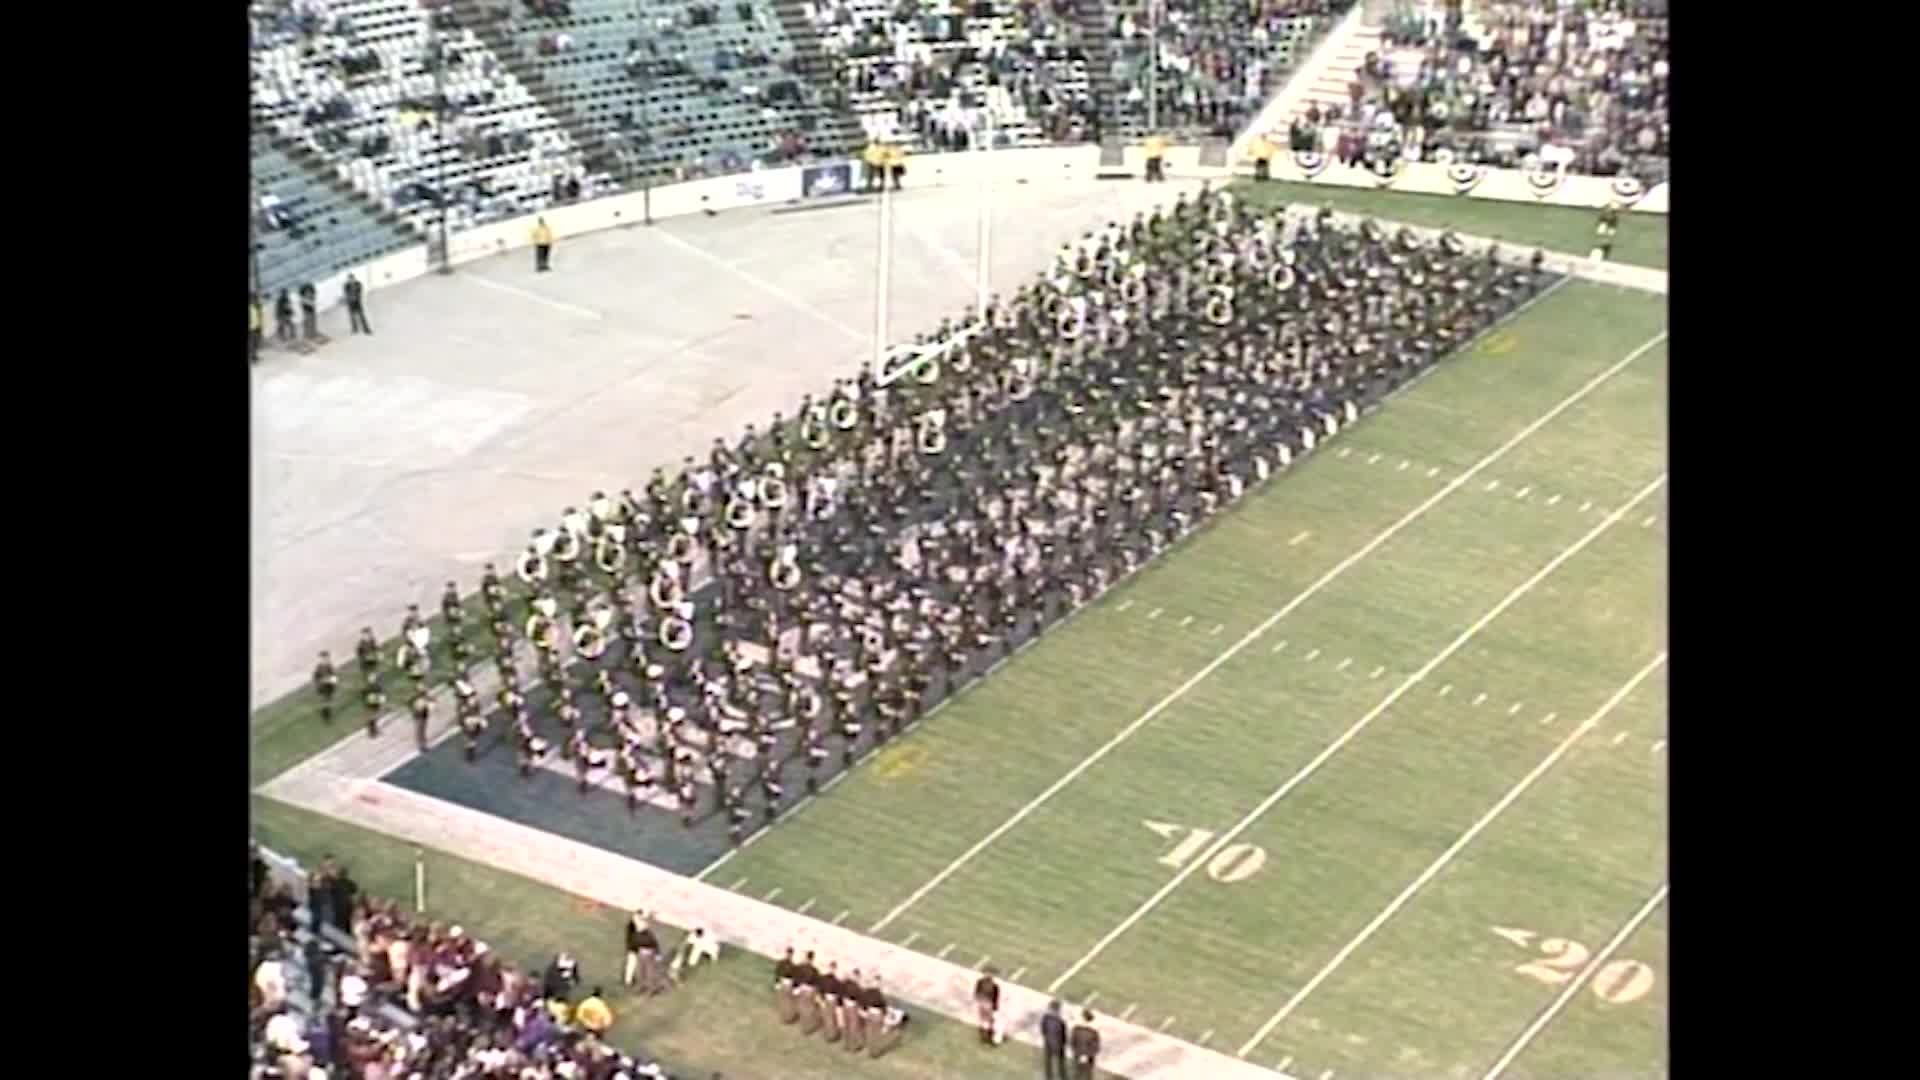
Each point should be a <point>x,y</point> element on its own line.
<point>1220,958</point>
<point>718,1021</point>
<point>1434,991</point>
<point>1641,241</point>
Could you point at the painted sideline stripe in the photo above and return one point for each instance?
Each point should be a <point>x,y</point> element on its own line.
<point>1233,650</point>
<point>1579,981</point>
<point>1351,733</point>
<point>1579,732</point>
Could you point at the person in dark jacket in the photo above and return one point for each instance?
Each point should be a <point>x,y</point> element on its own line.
<point>309,312</point>
<point>355,294</point>
<point>1053,1039</point>
<point>1085,1043</point>
<point>283,326</point>
<point>346,892</point>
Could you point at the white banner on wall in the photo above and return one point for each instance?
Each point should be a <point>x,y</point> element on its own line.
<point>1546,186</point>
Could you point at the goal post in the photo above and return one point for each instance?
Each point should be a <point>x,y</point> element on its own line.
<point>894,362</point>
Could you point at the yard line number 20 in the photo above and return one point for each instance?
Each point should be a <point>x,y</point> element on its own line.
<point>1620,982</point>
<point>1231,864</point>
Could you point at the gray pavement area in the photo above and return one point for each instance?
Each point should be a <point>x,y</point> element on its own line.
<point>488,400</point>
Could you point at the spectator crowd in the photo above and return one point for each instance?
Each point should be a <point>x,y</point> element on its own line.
<point>1575,86</point>
<point>347,987</point>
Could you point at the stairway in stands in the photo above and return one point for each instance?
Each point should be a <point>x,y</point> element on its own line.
<point>1095,20</point>
<point>476,16</point>
<point>1329,85</point>
<point>839,131</point>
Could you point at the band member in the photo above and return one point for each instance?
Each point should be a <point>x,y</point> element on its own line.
<point>884,1020</point>
<point>325,683</point>
<point>473,724</point>
<point>643,956</point>
<point>806,986</point>
<point>853,1036</point>
<point>422,710</point>
<point>451,611</point>
<point>633,767</point>
<point>827,992</point>
<point>531,746</point>
<point>375,699</point>
<point>986,1005</point>
<point>784,972</point>
<point>1084,1044</point>
<point>770,790</point>
<point>816,758</point>
<point>737,815</point>
<point>367,652</point>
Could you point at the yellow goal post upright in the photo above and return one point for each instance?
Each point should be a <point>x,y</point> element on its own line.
<point>894,362</point>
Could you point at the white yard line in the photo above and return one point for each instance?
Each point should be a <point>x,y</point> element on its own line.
<point>1574,987</point>
<point>1448,855</point>
<point>1351,733</point>
<point>524,294</point>
<point>1253,635</point>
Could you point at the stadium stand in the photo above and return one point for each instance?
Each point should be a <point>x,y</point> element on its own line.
<point>308,223</point>
<point>410,108</point>
<point>933,75</point>
<point>670,90</point>
<point>1512,85</point>
<point>334,992</point>
<point>1220,60</point>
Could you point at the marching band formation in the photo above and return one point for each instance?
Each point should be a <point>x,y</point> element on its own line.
<point>810,589</point>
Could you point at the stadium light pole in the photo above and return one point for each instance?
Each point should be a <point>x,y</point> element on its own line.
<point>1153,65</point>
<point>883,283</point>
<point>439,142</point>
<point>646,124</point>
<point>984,276</point>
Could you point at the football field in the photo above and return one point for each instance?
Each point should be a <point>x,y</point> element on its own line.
<point>1366,779</point>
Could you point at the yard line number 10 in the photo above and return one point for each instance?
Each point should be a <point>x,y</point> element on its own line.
<point>1231,864</point>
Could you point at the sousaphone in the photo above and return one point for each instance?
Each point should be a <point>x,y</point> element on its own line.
<point>610,550</point>
<point>773,487</point>
<point>589,641</point>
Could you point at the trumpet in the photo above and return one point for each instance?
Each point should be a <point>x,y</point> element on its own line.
<point>843,414</point>
<point>531,567</point>
<point>676,633</point>
<point>783,574</point>
<point>589,641</point>
<point>740,513</point>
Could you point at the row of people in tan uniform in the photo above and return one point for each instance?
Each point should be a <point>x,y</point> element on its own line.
<point>850,1010</point>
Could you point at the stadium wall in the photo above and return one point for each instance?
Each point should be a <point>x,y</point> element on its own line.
<point>817,184</point>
